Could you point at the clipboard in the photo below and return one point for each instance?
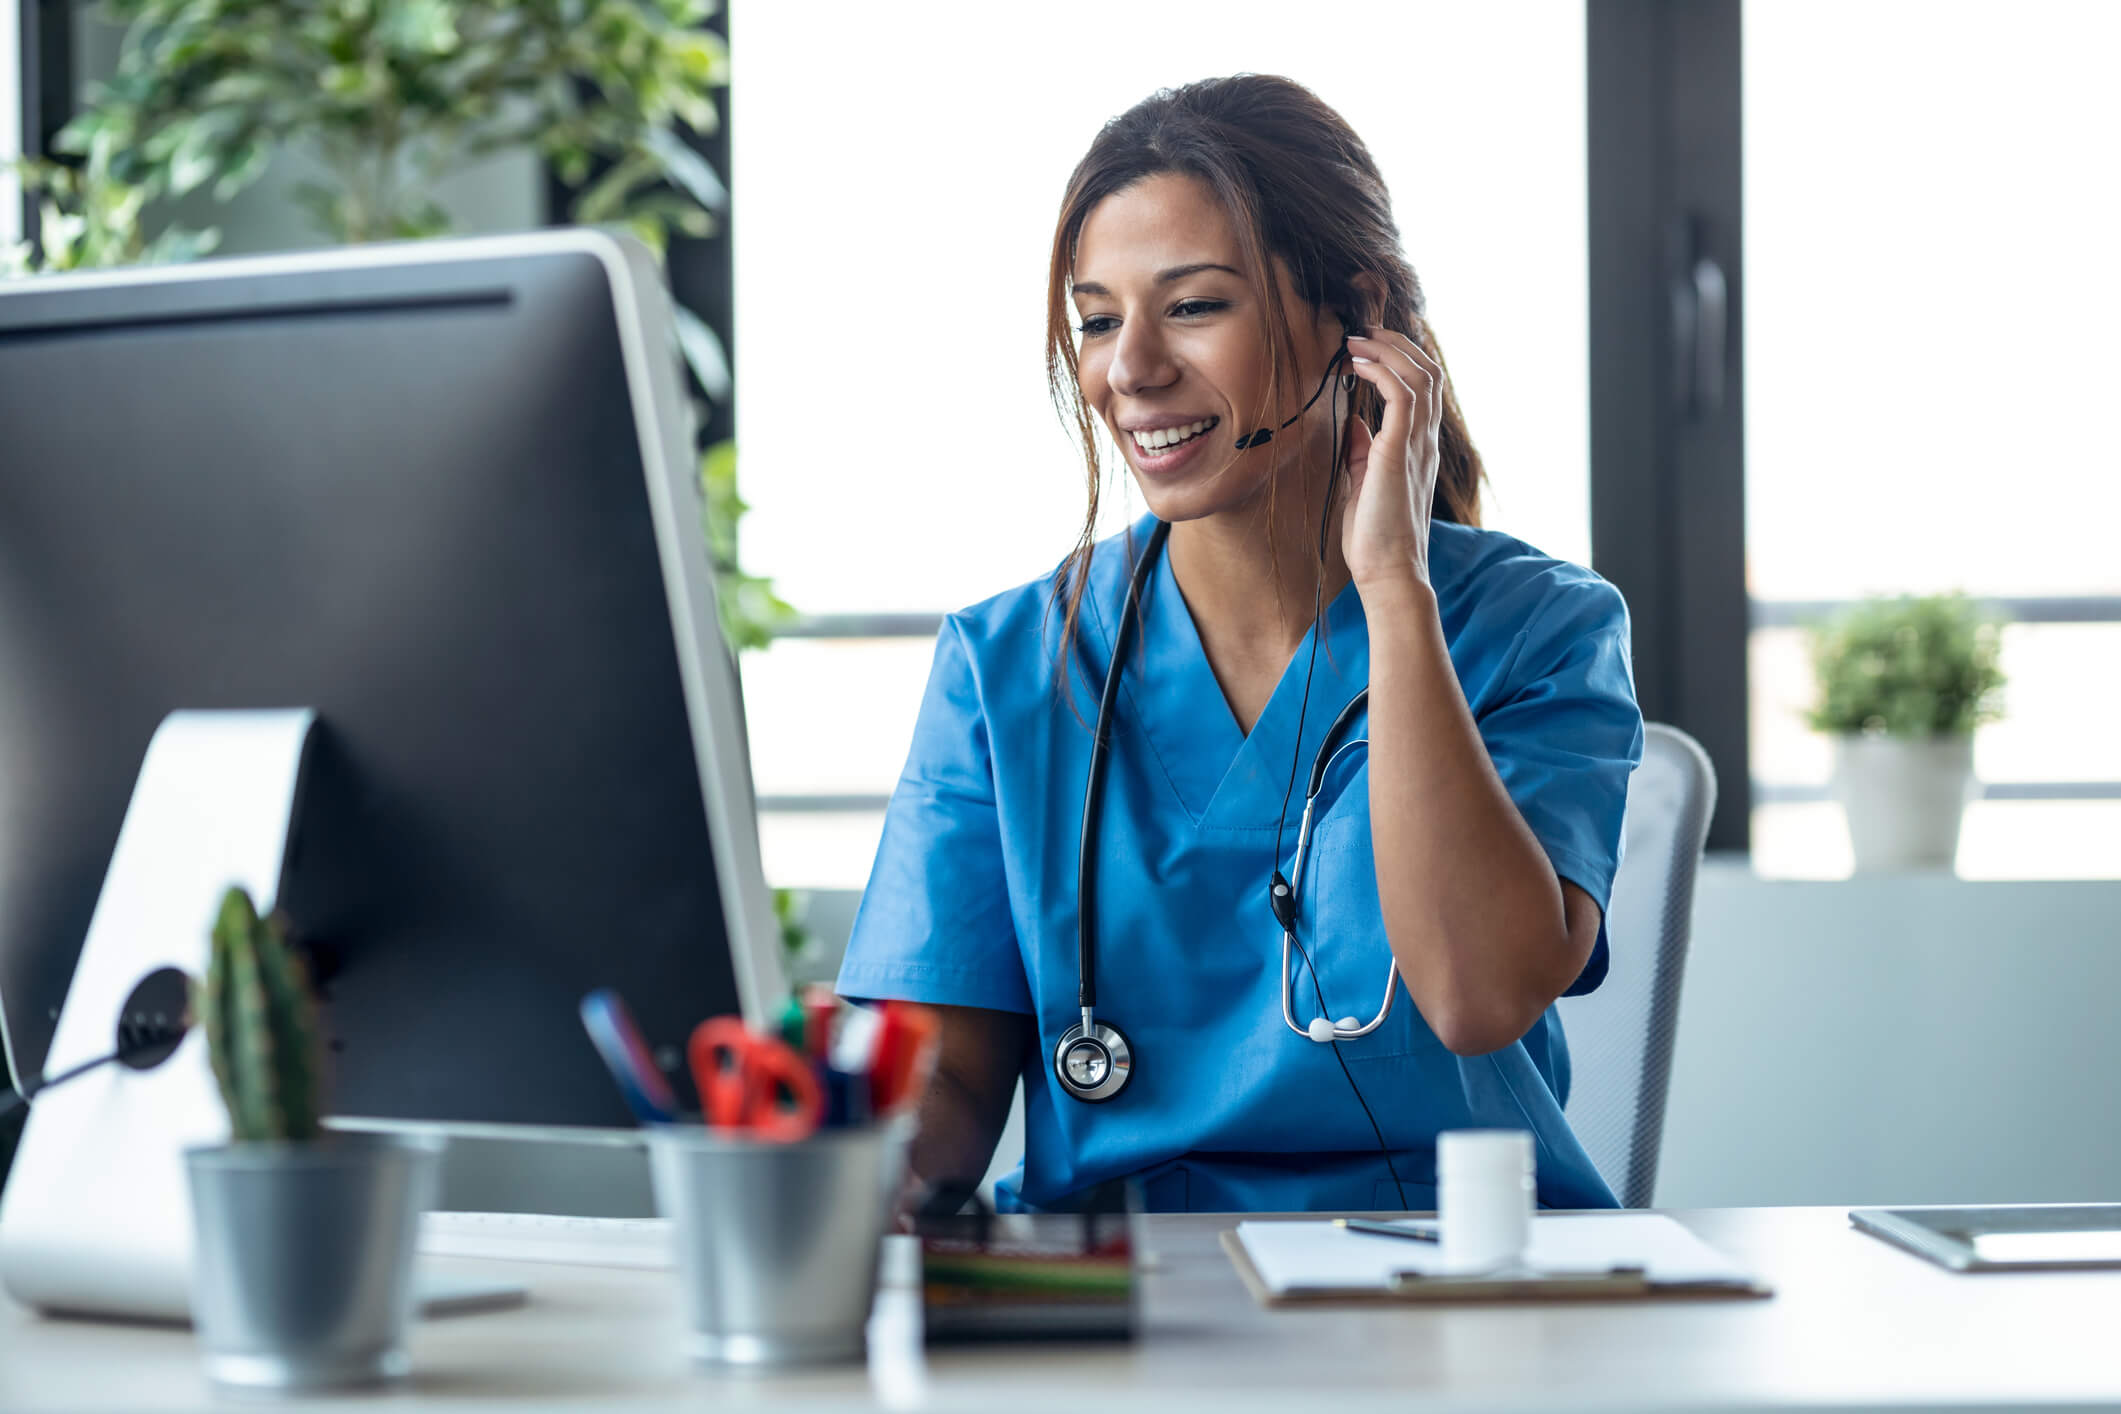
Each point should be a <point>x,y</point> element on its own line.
<point>1617,1283</point>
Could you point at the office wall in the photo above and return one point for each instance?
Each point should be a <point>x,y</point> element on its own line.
<point>1904,1039</point>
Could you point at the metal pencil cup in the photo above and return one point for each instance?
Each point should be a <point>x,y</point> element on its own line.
<point>777,1243</point>
<point>302,1257</point>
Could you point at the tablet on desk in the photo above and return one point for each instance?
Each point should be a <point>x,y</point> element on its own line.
<point>2025,1237</point>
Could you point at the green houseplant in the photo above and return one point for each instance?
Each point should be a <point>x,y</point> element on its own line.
<point>89,220</point>
<point>393,95</point>
<point>302,1238</point>
<point>1903,683</point>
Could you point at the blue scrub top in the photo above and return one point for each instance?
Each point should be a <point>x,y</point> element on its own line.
<point>971,901</point>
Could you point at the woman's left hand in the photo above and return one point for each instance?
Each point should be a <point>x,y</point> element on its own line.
<point>1384,531</point>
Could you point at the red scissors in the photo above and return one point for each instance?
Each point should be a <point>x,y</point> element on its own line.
<point>756,1085</point>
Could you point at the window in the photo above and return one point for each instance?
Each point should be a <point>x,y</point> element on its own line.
<point>897,444</point>
<point>1930,227</point>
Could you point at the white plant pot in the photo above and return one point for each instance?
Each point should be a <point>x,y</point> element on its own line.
<point>1904,799</point>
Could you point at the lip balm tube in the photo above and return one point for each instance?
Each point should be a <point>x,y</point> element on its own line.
<point>1485,1195</point>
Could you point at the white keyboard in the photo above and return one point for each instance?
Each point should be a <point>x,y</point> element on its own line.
<point>642,1243</point>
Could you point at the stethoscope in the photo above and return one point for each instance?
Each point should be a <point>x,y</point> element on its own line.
<point>1093,1059</point>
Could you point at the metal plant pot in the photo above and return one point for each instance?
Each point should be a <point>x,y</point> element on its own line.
<point>1904,799</point>
<point>302,1258</point>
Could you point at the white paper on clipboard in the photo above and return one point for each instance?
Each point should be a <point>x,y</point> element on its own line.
<point>1312,1258</point>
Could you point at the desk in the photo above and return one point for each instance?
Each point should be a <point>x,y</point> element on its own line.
<point>1855,1323</point>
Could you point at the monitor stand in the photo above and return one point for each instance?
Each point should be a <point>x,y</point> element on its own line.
<point>96,1215</point>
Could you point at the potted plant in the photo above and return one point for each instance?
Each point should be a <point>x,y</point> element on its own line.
<point>303,1238</point>
<point>1903,683</point>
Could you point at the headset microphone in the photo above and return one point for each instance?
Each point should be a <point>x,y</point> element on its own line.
<point>1263,435</point>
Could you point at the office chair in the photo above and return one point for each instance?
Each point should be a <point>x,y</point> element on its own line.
<point>1620,1036</point>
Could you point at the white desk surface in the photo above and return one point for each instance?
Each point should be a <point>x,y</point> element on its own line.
<point>1854,1323</point>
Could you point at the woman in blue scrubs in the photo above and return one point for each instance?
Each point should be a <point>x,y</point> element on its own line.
<point>1229,251</point>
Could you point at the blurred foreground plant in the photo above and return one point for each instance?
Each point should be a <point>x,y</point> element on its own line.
<point>393,95</point>
<point>88,221</point>
<point>750,610</point>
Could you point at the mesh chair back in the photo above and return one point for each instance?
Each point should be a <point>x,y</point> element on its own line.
<point>1620,1036</point>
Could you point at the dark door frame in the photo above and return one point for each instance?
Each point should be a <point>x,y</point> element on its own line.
<point>47,80</point>
<point>1667,393</point>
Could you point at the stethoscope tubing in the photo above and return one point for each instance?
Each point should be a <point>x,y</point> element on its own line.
<point>1094,789</point>
<point>1321,766</point>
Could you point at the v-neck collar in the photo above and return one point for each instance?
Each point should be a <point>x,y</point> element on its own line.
<point>1224,777</point>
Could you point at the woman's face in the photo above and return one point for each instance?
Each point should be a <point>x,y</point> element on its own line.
<point>1169,340</point>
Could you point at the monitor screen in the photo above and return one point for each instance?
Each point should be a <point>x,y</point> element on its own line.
<point>408,489</point>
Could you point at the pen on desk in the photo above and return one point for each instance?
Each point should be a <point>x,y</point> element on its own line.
<point>1426,1233</point>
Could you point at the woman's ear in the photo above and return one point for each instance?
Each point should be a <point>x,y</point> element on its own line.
<point>1371,290</point>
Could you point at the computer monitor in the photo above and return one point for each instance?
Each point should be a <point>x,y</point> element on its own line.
<point>445,495</point>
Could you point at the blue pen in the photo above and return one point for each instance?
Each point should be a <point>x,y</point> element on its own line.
<point>626,1056</point>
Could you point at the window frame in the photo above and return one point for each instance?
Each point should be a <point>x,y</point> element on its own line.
<point>1667,465</point>
<point>14,135</point>
<point>1664,182</point>
<point>1663,188</point>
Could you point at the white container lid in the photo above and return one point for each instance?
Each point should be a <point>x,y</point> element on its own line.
<point>1476,1153</point>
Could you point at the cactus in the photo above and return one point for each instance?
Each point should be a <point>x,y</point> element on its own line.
<point>261,1026</point>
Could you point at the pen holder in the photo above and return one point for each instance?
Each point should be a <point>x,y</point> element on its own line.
<point>777,1243</point>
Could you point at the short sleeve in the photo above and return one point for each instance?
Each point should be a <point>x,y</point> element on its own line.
<point>1565,734</point>
<point>934,923</point>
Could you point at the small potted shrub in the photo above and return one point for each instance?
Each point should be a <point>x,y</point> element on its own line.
<point>1903,682</point>
<point>303,1238</point>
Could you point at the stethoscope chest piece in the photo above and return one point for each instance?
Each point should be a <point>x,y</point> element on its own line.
<point>1093,1065</point>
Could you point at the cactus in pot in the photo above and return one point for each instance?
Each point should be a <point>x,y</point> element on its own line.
<point>302,1237</point>
<point>261,1026</point>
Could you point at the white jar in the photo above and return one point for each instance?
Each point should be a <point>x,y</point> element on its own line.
<point>1485,1195</point>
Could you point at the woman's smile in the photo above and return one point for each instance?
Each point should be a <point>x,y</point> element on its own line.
<point>1167,450</point>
